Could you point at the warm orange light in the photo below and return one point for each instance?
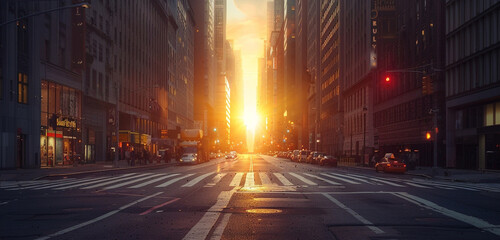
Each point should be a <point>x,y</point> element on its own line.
<point>427,135</point>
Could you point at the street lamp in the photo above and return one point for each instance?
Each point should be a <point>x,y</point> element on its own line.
<point>82,4</point>
<point>365,109</point>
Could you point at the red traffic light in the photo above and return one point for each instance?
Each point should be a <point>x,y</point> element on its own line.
<point>428,135</point>
<point>387,79</point>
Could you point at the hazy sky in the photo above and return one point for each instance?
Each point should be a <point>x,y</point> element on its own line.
<point>246,25</point>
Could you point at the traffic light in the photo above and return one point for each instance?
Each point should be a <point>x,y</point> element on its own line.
<point>428,136</point>
<point>387,79</point>
<point>427,86</point>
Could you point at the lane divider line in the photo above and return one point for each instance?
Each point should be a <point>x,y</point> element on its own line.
<point>474,221</point>
<point>368,224</point>
<point>206,223</point>
<point>97,219</point>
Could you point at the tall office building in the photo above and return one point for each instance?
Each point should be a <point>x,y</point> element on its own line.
<point>205,75</point>
<point>41,104</point>
<point>313,70</point>
<point>330,76</point>
<point>302,76</point>
<point>410,39</point>
<point>472,84</point>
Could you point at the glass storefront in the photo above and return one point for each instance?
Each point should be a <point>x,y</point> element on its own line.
<point>60,134</point>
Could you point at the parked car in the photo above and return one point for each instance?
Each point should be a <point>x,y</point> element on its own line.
<point>327,160</point>
<point>389,163</point>
<point>189,158</point>
<point>213,155</point>
<point>313,157</point>
<point>303,155</point>
<point>231,155</point>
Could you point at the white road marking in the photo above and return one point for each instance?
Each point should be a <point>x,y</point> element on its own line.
<point>22,183</point>
<point>216,180</point>
<point>45,185</point>
<point>351,177</point>
<point>303,179</point>
<point>283,180</point>
<point>382,181</point>
<point>203,227</point>
<point>197,180</point>
<point>323,179</point>
<point>92,182</point>
<point>340,178</point>
<point>153,181</point>
<point>417,185</point>
<point>131,181</point>
<point>219,230</point>
<point>113,181</point>
<point>354,214</point>
<point>236,180</point>
<point>265,179</point>
<point>69,183</point>
<point>250,180</point>
<point>109,214</point>
<point>476,222</point>
<point>174,180</point>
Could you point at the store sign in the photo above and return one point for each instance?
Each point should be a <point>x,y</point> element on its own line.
<point>163,133</point>
<point>124,136</point>
<point>66,122</point>
<point>145,139</point>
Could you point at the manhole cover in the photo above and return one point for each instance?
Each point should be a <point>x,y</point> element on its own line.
<point>264,210</point>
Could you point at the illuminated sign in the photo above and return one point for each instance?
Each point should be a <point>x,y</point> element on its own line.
<point>66,122</point>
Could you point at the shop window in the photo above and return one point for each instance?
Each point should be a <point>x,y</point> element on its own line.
<point>489,115</point>
<point>497,113</point>
<point>1,80</point>
<point>22,88</point>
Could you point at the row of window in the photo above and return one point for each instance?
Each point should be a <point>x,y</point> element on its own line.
<point>411,110</point>
<point>476,73</point>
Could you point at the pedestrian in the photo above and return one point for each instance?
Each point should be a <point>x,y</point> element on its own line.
<point>132,158</point>
<point>127,156</point>
<point>146,156</point>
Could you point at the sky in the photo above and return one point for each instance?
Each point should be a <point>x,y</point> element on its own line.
<point>246,25</point>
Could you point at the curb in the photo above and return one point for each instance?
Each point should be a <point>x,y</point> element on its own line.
<point>105,170</point>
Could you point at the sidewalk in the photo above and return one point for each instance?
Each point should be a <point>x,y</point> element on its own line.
<point>34,174</point>
<point>455,175</point>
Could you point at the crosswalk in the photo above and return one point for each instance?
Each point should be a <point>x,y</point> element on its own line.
<point>242,179</point>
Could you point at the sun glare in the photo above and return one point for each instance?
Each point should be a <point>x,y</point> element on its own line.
<point>251,120</point>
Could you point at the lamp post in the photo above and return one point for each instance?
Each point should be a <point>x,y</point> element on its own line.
<point>364,131</point>
<point>82,4</point>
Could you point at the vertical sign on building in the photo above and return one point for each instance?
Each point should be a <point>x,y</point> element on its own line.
<point>374,32</point>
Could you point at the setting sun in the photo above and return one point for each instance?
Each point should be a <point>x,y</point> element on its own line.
<point>251,120</point>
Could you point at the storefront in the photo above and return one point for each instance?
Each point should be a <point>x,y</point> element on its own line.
<point>60,133</point>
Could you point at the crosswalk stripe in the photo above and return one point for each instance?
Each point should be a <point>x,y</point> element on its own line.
<point>21,183</point>
<point>265,179</point>
<point>417,185</point>
<point>236,179</point>
<point>282,179</point>
<point>174,180</point>
<point>250,180</point>
<point>216,179</point>
<point>153,181</point>
<point>68,183</point>
<point>73,185</point>
<point>303,179</point>
<point>323,179</point>
<point>448,186</point>
<point>382,181</point>
<point>351,177</point>
<point>131,181</point>
<point>340,179</point>
<point>45,185</point>
<point>113,181</point>
<point>197,180</point>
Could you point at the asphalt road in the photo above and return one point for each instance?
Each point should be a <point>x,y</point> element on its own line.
<point>253,197</point>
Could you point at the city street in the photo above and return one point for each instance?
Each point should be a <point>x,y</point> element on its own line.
<point>252,197</point>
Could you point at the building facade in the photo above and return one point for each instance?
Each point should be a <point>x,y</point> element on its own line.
<point>472,84</point>
<point>205,75</point>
